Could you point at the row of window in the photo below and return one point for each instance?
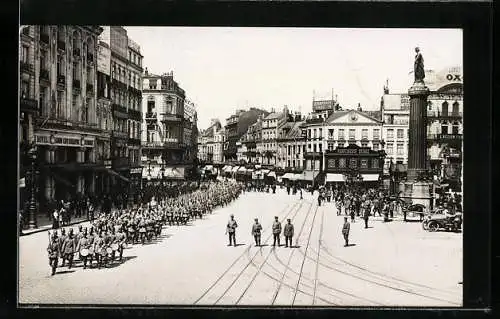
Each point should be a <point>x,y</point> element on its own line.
<point>316,133</point>
<point>445,107</point>
<point>124,98</point>
<point>123,75</point>
<point>400,148</point>
<point>353,163</point>
<point>134,58</point>
<point>400,133</point>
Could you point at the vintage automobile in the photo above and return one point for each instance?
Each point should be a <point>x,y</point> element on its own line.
<point>437,220</point>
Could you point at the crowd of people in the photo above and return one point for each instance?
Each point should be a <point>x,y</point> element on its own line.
<point>110,232</point>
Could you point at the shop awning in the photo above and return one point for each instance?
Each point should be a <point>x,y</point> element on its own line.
<point>208,168</point>
<point>258,166</point>
<point>330,177</point>
<point>235,169</point>
<point>370,177</point>
<point>242,169</point>
<point>249,171</point>
<point>173,173</point>
<point>112,172</point>
<point>307,176</point>
<point>288,176</point>
<point>272,174</point>
<point>228,168</point>
<point>265,171</point>
<point>298,177</point>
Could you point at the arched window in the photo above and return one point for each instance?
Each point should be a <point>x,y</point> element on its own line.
<point>444,108</point>
<point>76,43</point>
<point>455,109</point>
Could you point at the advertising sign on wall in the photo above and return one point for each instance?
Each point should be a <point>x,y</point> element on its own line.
<point>104,59</point>
<point>119,41</point>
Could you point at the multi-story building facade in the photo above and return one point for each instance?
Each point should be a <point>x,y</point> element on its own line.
<point>190,131</point>
<point>58,71</point>
<point>126,100</point>
<point>163,145</point>
<point>291,144</point>
<point>268,146</point>
<point>444,125</point>
<point>353,145</point>
<point>249,142</point>
<point>209,148</point>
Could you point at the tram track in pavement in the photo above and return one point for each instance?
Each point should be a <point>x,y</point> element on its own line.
<point>214,284</point>
<point>281,281</point>
<point>305,255</point>
<point>267,257</point>
<point>381,281</point>
<point>317,258</point>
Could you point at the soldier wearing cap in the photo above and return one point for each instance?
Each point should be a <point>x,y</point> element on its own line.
<point>345,231</point>
<point>54,252</point>
<point>68,248</point>
<point>256,229</point>
<point>231,230</point>
<point>288,232</point>
<point>276,231</point>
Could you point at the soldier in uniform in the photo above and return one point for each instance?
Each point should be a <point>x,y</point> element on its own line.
<point>276,231</point>
<point>54,252</point>
<point>366,213</point>
<point>120,239</point>
<point>345,231</point>
<point>98,246</point>
<point>83,243</point>
<point>231,230</point>
<point>288,232</point>
<point>68,248</point>
<point>256,229</point>
<point>61,241</point>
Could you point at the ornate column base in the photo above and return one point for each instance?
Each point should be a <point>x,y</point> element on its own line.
<point>418,193</point>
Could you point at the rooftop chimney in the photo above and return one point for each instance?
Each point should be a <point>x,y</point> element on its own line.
<point>146,71</point>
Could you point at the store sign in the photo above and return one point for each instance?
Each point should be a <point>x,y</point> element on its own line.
<point>353,151</point>
<point>56,140</point>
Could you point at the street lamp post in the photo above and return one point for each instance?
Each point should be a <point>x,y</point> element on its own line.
<point>32,222</point>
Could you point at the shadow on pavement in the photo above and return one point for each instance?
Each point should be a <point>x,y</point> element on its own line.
<point>117,263</point>
<point>295,246</point>
<point>351,245</point>
<point>237,245</point>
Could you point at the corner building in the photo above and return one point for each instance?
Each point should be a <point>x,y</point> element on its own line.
<point>63,79</point>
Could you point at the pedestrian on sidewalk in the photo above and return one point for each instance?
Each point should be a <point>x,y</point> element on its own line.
<point>352,213</point>
<point>256,229</point>
<point>345,231</point>
<point>276,231</point>
<point>288,232</point>
<point>68,248</point>
<point>55,219</point>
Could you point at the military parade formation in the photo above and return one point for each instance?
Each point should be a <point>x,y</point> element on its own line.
<point>110,233</point>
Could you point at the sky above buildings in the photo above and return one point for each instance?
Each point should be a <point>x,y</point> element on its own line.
<point>224,69</point>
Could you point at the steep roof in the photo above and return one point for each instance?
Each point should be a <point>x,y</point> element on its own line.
<point>273,116</point>
<point>295,130</point>
<point>339,114</point>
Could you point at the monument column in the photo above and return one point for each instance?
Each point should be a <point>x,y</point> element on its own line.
<point>417,148</point>
<point>417,187</point>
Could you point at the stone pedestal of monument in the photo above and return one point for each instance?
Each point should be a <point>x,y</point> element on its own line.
<point>416,190</point>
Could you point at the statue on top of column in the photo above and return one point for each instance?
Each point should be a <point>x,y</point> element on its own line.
<point>418,67</point>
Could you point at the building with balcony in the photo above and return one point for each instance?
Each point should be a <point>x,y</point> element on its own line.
<point>249,141</point>
<point>163,129</point>
<point>120,86</point>
<point>210,143</point>
<point>444,125</point>
<point>291,144</point>
<point>236,126</point>
<point>268,146</point>
<point>59,104</point>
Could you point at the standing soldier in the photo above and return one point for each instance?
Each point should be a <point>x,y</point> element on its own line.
<point>276,231</point>
<point>98,246</point>
<point>366,213</point>
<point>68,248</point>
<point>54,251</point>
<point>231,230</point>
<point>288,232</point>
<point>300,190</point>
<point>120,240</point>
<point>345,231</point>
<point>319,198</point>
<point>256,229</point>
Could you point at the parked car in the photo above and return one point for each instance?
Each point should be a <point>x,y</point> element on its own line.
<point>438,220</point>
